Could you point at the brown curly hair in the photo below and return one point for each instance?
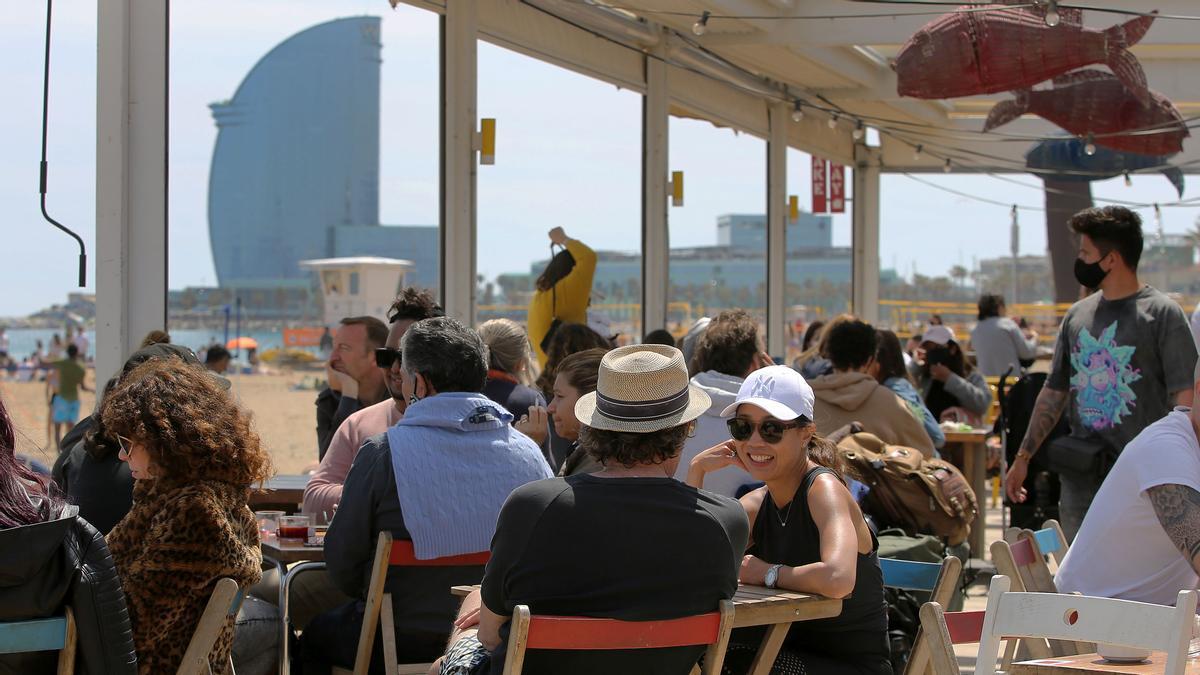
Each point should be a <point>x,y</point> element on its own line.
<point>191,427</point>
<point>631,449</point>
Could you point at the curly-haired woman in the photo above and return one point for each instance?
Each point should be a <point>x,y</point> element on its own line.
<point>194,456</point>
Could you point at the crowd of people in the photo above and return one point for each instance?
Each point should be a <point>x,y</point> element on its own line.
<point>587,473</point>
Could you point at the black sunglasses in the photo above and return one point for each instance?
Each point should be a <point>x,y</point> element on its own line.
<point>771,431</point>
<point>386,356</point>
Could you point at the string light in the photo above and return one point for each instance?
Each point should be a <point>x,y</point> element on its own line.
<point>1052,17</point>
<point>917,151</point>
<point>1089,146</point>
<point>798,111</point>
<point>948,167</point>
<point>701,25</point>
<point>833,120</point>
<point>859,131</point>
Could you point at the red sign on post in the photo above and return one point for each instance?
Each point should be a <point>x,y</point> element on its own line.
<point>820,172</point>
<point>837,188</point>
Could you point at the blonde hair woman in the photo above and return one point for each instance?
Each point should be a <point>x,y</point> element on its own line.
<point>509,375</point>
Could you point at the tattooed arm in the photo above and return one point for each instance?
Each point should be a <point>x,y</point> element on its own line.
<point>1046,412</point>
<point>1178,510</point>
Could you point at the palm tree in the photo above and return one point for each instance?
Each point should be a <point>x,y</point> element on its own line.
<point>959,274</point>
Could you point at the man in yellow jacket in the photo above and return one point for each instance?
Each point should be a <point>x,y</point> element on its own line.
<point>562,291</point>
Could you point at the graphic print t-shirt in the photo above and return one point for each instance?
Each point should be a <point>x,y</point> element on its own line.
<point>1120,361</point>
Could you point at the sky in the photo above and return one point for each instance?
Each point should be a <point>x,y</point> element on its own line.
<point>568,154</point>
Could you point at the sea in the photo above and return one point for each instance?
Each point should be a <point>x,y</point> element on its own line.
<point>23,341</point>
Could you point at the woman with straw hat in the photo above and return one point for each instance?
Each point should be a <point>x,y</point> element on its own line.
<point>609,544</point>
<point>807,533</point>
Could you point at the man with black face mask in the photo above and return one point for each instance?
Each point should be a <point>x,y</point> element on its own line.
<point>1124,357</point>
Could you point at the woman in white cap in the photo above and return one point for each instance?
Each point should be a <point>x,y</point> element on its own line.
<point>807,533</point>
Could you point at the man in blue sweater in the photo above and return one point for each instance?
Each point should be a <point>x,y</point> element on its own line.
<point>438,479</point>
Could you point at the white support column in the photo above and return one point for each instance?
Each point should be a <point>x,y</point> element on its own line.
<point>777,229</point>
<point>655,170</point>
<point>459,80</point>
<point>131,177</point>
<point>865,269</point>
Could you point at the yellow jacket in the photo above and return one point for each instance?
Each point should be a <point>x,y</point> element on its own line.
<point>567,301</point>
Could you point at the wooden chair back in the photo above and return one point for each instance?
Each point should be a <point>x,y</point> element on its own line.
<point>942,630</point>
<point>391,553</point>
<point>583,633</point>
<point>42,635</point>
<point>1077,618</point>
<point>223,604</point>
<point>939,579</point>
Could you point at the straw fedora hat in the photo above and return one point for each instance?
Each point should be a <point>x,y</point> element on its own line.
<point>642,388</point>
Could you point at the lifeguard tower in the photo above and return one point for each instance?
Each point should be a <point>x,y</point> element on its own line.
<point>359,286</point>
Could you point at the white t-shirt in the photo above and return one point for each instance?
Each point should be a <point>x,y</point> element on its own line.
<point>1121,550</point>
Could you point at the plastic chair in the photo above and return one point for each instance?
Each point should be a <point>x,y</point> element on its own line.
<point>222,605</point>
<point>1077,618</point>
<point>563,632</point>
<point>42,635</point>
<point>390,553</point>
<point>939,579</point>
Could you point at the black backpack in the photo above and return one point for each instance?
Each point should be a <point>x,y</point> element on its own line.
<point>1041,484</point>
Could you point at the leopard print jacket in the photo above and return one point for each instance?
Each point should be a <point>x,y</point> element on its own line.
<point>170,550</point>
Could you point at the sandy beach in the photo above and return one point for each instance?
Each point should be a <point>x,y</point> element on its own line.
<point>285,419</point>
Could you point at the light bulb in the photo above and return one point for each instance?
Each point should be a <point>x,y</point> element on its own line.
<point>1052,16</point>
<point>858,132</point>
<point>948,167</point>
<point>1089,146</point>
<point>917,151</point>
<point>798,111</point>
<point>1128,180</point>
<point>701,25</point>
<point>833,120</point>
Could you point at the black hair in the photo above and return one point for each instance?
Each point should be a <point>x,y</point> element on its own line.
<point>1112,228</point>
<point>72,351</point>
<point>811,334</point>
<point>559,266</point>
<point>414,304</point>
<point>851,344</point>
<point>630,449</point>
<point>660,336</point>
<point>989,305</point>
<point>216,354</point>
<point>890,356</point>
<point>450,355</point>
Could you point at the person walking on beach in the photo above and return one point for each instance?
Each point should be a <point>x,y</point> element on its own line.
<point>66,378</point>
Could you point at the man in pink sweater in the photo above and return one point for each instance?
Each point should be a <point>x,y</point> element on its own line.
<point>324,490</point>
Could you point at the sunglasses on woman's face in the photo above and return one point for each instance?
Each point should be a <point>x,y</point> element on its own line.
<point>125,443</point>
<point>386,356</point>
<point>771,431</point>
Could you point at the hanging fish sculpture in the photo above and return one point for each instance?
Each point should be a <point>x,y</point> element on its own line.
<point>1065,159</point>
<point>1094,102</point>
<point>983,52</point>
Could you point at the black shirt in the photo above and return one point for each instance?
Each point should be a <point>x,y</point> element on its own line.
<point>859,634</point>
<point>624,548</point>
<point>515,397</point>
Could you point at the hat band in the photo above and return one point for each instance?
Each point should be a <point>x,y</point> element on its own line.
<point>642,411</point>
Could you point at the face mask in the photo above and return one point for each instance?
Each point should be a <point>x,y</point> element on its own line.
<point>1089,274</point>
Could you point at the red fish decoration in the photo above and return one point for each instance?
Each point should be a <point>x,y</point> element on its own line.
<point>983,52</point>
<point>1095,102</point>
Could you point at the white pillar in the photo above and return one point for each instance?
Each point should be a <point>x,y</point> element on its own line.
<point>131,177</point>
<point>459,75</point>
<point>777,229</point>
<point>865,238</point>
<point>655,235</point>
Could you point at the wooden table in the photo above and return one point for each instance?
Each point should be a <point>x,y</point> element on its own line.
<point>761,606</point>
<point>974,468</point>
<point>291,553</point>
<point>285,490</point>
<point>1092,663</point>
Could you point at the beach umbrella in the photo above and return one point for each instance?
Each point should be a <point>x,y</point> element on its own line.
<point>242,342</point>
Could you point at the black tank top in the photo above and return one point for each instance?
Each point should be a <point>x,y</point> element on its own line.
<point>789,536</point>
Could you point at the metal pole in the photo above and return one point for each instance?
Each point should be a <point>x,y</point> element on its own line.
<point>237,328</point>
<point>1015,244</point>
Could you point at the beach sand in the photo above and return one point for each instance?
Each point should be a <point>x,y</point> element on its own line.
<point>285,419</point>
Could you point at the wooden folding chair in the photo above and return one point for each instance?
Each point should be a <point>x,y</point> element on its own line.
<point>1023,563</point>
<point>389,553</point>
<point>222,605</point>
<point>584,633</point>
<point>942,630</point>
<point>42,635</point>
<point>1077,618</point>
<point>939,579</point>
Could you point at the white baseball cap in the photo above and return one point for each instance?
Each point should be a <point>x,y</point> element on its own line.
<point>938,335</point>
<point>779,390</point>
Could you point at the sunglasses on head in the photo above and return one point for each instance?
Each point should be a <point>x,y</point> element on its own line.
<point>386,356</point>
<point>771,431</point>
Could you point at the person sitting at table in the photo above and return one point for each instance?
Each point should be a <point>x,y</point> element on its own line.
<point>50,559</point>
<point>890,371</point>
<point>952,389</point>
<point>508,376</point>
<point>194,456</point>
<point>627,542</point>
<point>851,394</point>
<point>807,533</point>
<point>576,378</point>
<point>438,478</point>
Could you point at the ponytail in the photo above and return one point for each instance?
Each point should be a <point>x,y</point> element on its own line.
<point>822,451</point>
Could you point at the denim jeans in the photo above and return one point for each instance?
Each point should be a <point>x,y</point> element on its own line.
<point>256,638</point>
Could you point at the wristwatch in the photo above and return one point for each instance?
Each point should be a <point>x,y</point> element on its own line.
<point>772,576</point>
<point>1024,454</point>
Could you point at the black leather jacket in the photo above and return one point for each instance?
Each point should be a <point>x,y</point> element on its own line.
<point>65,562</point>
